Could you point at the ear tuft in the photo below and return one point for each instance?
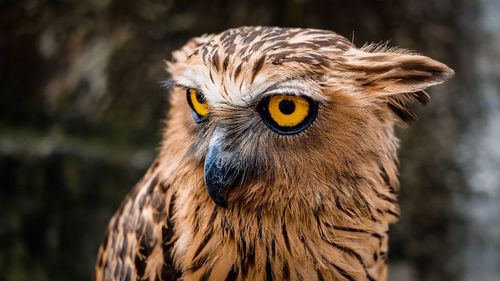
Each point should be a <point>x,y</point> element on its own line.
<point>413,73</point>
<point>397,76</point>
<point>394,71</point>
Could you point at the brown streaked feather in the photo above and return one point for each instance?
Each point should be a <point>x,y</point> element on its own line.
<point>400,104</point>
<point>138,242</point>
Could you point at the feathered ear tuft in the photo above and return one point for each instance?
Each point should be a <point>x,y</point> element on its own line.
<point>397,76</point>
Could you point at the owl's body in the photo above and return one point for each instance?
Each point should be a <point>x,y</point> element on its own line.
<point>243,191</point>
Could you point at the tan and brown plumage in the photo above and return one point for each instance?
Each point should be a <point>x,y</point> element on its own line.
<point>241,194</point>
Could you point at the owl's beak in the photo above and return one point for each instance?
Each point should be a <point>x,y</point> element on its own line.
<point>219,175</point>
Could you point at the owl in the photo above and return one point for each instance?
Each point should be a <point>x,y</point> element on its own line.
<point>278,161</point>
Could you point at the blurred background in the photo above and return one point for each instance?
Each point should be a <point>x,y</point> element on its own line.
<point>81,108</point>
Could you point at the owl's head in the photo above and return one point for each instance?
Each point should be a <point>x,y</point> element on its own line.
<point>271,114</point>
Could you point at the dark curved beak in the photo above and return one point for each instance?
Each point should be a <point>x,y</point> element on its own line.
<point>219,174</point>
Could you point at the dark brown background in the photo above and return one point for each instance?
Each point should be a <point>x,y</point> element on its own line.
<point>81,104</point>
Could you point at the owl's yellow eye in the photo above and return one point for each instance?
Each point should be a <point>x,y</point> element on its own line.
<point>287,114</point>
<point>199,105</point>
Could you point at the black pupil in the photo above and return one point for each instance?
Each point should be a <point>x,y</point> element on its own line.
<point>287,107</point>
<point>199,97</point>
